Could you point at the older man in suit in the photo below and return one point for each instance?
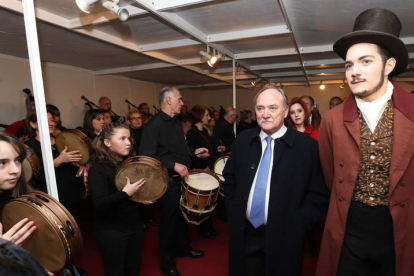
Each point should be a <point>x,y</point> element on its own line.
<point>274,191</point>
<point>367,153</point>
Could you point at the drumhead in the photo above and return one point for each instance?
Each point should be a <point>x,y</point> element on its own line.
<point>220,164</point>
<point>156,182</point>
<point>202,181</point>
<point>28,171</point>
<point>57,240</point>
<point>74,141</point>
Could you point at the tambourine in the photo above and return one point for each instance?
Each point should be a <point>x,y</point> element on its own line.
<point>57,240</point>
<point>75,140</point>
<point>138,167</point>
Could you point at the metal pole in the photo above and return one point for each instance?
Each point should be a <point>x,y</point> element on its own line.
<point>39,95</point>
<point>234,93</point>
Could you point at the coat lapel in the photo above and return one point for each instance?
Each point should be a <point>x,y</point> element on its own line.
<point>351,120</point>
<point>402,147</point>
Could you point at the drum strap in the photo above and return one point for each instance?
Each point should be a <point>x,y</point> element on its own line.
<point>84,172</point>
<point>209,144</point>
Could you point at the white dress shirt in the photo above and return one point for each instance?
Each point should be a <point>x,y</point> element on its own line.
<point>372,111</point>
<point>263,136</point>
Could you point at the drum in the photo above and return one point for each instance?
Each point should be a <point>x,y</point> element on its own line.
<point>31,164</point>
<point>138,167</point>
<point>199,192</point>
<point>218,170</point>
<point>75,140</point>
<point>57,240</point>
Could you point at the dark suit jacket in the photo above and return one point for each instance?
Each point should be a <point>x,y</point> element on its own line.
<point>298,198</point>
<point>223,131</point>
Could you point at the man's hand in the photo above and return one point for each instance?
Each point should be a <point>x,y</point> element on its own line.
<point>202,153</point>
<point>181,170</point>
<point>221,148</point>
<point>19,232</point>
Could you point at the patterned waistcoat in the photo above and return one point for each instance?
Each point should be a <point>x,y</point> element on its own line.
<point>376,149</point>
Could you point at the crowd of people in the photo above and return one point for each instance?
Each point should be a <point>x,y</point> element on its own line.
<point>284,169</point>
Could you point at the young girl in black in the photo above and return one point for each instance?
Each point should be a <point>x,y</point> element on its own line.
<point>118,220</point>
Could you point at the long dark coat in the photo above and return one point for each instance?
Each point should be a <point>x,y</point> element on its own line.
<point>340,149</point>
<point>298,198</point>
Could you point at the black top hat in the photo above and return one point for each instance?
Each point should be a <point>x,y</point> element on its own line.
<point>377,26</point>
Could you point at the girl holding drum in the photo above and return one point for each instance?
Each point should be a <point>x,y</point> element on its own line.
<point>118,220</point>
<point>14,259</point>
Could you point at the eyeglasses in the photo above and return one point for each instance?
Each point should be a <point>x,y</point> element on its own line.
<point>135,118</point>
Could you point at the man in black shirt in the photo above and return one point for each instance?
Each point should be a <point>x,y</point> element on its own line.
<point>223,134</point>
<point>163,138</point>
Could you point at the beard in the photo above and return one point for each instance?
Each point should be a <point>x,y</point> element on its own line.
<point>377,87</point>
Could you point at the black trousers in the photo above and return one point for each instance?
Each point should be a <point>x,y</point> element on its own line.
<point>368,248</point>
<point>120,249</point>
<point>173,230</point>
<point>254,254</point>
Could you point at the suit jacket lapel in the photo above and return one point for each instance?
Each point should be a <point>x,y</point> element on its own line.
<point>351,119</point>
<point>402,147</point>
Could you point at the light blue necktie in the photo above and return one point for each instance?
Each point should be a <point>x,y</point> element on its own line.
<point>257,211</point>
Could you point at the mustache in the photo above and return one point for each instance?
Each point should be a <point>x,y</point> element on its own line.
<point>357,80</point>
<point>266,120</point>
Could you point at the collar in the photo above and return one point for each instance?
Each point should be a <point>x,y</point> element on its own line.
<point>288,135</point>
<point>402,100</point>
<point>166,117</point>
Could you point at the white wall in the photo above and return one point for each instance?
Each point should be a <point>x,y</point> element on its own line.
<point>64,86</point>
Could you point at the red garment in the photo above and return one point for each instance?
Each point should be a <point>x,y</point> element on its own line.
<point>314,133</point>
<point>14,128</point>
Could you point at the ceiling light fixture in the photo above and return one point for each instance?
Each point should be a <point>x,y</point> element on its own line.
<point>342,86</point>
<point>256,81</point>
<point>113,6</point>
<point>322,86</point>
<point>213,58</point>
<point>85,5</point>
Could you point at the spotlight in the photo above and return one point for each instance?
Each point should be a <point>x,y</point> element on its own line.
<point>342,86</point>
<point>204,54</point>
<point>85,5</point>
<point>257,80</point>
<point>211,58</point>
<point>322,86</point>
<point>112,5</point>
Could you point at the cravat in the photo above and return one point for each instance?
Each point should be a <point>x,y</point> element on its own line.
<point>257,211</point>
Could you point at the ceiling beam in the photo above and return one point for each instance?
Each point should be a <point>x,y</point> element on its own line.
<point>275,66</point>
<point>133,68</point>
<point>164,5</point>
<point>250,33</point>
<point>168,45</point>
<point>269,53</point>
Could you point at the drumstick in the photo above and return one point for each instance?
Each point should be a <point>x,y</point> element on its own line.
<point>222,152</point>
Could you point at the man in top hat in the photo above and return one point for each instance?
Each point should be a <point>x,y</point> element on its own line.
<point>366,147</point>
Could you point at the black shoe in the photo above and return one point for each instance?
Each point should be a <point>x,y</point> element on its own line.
<point>170,272</point>
<point>153,222</point>
<point>191,253</point>
<point>146,228</point>
<point>208,235</point>
<point>214,232</point>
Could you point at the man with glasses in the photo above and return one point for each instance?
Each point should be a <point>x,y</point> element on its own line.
<point>134,119</point>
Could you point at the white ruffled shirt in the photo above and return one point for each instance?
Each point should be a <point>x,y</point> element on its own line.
<point>372,111</point>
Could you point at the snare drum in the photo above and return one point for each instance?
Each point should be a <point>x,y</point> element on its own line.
<point>31,164</point>
<point>199,192</point>
<point>75,140</point>
<point>218,170</point>
<point>57,240</point>
<point>138,167</point>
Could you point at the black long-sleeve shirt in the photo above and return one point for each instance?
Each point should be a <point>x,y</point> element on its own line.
<point>224,131</point>
<point>201,139</point>
<point>163,139</point>
<point>112,208</point>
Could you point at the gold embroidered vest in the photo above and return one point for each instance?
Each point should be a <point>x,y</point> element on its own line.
<point>376,149</point>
